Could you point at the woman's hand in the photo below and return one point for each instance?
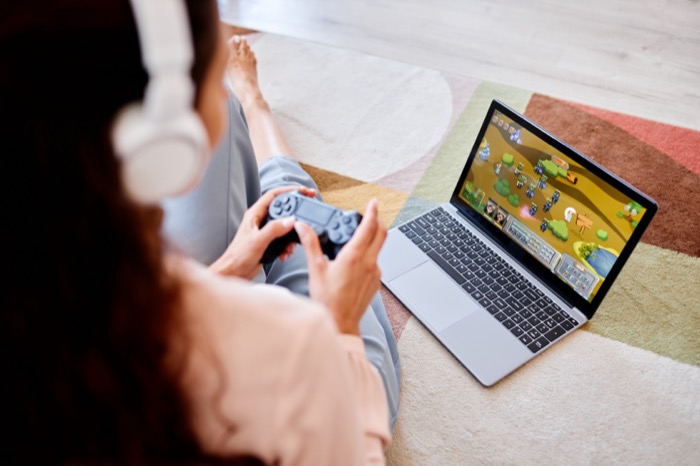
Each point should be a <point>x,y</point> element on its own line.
<point>347,284</point>
<point>243,255</point>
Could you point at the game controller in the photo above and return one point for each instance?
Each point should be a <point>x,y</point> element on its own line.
<point>333,226</point>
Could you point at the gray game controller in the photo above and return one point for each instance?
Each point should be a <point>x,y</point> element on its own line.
<point>333,226</point>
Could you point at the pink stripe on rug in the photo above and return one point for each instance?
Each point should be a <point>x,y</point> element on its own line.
<point>680,144</point>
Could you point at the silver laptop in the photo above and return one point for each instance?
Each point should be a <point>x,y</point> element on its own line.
<point>523,254</point>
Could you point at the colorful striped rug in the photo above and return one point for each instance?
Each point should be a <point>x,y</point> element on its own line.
<point>623,390</point>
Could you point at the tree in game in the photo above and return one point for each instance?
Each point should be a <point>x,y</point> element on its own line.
<point>559,229</point>
<point>508,159</point>
<point>514,199</point>
<point>585,250</point>
<point>502,187</point>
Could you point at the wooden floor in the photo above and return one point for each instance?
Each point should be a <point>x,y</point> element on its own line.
<point>640,57</point>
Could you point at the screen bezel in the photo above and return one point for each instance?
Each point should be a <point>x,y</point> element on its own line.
<point>562,290</point>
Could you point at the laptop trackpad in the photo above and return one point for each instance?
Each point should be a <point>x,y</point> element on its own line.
<point>432,296</point>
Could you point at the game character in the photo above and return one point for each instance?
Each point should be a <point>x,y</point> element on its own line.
<point>555,196</point>
<point>533,209</point>
<point>485,152</point>
<point>530,190</point>
<point>490,208</point>
<point>520,182</point>
<point>568,213</point>
<point>631,210</point>
<point>542,183</point>
<point>544,225</point>
<point>498,168</point>
<point>519,168</point>
<point>539,168</point>
<point>501,217</point>
<point>547,205</point>
<point>515,136</point>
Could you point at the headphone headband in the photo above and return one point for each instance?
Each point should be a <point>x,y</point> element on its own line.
<point>166,51</point>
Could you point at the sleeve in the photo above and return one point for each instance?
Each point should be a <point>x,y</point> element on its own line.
<point>333,409</point>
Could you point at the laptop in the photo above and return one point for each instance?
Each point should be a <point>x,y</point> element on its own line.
<point>522,255</point>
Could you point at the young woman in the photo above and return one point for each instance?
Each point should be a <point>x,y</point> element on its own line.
<point>118,348</point>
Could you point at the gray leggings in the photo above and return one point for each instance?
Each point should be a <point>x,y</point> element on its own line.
<point>203,222</point>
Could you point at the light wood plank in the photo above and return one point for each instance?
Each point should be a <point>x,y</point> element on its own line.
<point>636,57</point>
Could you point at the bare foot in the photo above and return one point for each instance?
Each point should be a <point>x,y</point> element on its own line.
<point>243,72</point>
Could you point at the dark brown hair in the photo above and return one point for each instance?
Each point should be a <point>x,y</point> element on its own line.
<point>86,308</point>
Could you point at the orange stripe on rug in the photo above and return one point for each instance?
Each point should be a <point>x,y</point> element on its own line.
<point>681,144</point>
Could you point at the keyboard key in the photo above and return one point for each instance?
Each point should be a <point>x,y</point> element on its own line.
<point>555,333</point>
<point>509,324</point>
<point>514,303</point>
<point>538,345</point>
<point>500,316</point>
<point>567,325</point>
<point>531,294</point>
<point>517,331</point>
<point>525,339</point>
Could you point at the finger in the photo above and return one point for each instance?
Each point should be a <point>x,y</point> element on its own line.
<point>378,240</point>
<point>312,248</point>
<point>309,192</point>
<point>275,229</point>
<point>366,231</point>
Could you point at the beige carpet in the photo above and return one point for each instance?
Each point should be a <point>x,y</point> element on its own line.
<point>623,390</point>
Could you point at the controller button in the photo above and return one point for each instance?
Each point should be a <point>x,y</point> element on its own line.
<point>288,208</point>
<point>336,236</point>
<point>349,231</point>
<point>286,199</point>
<point>276,211</point>
<point>276,203</point>
<point>335,225</point>
<point>347,219</point>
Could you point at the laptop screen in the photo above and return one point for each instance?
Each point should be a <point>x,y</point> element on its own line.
<point>571,220</point>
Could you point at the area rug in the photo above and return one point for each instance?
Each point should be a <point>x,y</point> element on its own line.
<point>625,389</point>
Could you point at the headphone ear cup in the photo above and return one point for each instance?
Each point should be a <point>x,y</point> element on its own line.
<point>159,158</point>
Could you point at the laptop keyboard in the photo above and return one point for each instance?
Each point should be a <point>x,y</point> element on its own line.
<point>503,291</point>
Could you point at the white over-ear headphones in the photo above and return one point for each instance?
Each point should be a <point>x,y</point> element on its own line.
<point>161,141</point>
